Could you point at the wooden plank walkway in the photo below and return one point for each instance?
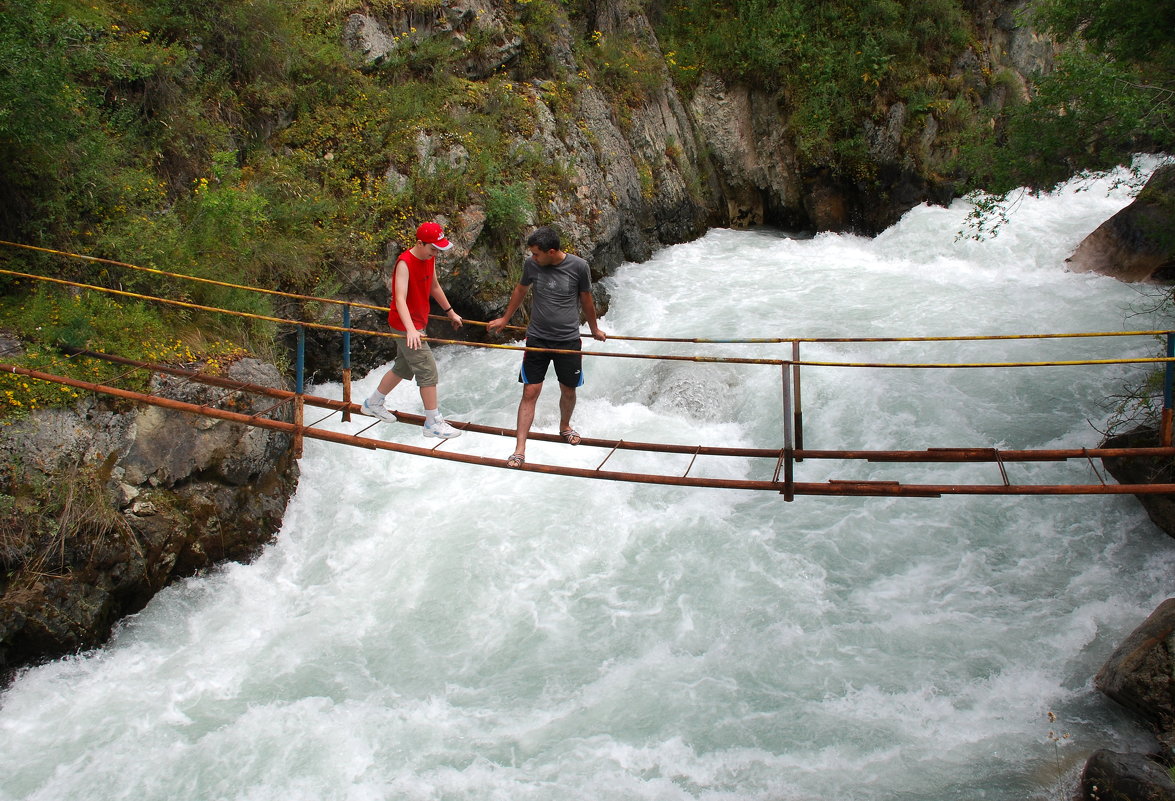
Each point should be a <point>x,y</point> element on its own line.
<point>832,487</point>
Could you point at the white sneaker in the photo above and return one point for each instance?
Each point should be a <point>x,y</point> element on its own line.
<point>378,411</point>
<point>440,428</point>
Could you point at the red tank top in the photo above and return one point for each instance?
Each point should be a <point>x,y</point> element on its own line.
<point>420,275</point>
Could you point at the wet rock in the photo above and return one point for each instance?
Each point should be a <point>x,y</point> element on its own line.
<point>1137,243</point>
<point>1145,470</point>
<point>1111,776</point>
<point>1140,674</point>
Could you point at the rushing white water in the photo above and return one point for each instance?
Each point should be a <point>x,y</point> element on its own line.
<point>428,630</point>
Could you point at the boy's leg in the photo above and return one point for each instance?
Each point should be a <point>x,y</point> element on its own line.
<point>388,383</point>
<point>374,405</point>
<point>428,396</point>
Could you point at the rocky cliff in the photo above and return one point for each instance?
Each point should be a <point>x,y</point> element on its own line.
<point>106,503</point>
<point>660,167</point>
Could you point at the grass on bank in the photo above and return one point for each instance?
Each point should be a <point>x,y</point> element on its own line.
<point>47,319</point>
<point>54,527</point>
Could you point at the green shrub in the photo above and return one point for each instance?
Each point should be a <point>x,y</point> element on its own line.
<point>50,318</point>
<point>832,63</point>
<point>508,209</point>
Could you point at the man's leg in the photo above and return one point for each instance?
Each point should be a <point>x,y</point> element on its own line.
<point>530,396</point>
<point>566,406</point>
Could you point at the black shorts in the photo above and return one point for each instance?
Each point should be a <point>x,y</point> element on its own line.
<point>568,366</point>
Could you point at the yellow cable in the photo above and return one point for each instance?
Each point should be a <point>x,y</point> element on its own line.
<point>752,341</point>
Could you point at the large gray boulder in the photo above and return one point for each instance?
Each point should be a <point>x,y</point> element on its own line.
<point>1140,674</point>
<point>1144,470</point>
<point>1137,243</point>
<point>1110,776</point>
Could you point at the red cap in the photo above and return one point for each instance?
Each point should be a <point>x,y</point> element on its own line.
<point>431,233</point>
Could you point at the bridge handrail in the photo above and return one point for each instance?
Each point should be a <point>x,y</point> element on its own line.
<point>607,354</point>
<point>793,448</point>
<point>680,340</point>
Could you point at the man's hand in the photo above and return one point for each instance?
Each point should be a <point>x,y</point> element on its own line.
<point>495,326</point>
<point>598,333</point>
<point>413,339</point>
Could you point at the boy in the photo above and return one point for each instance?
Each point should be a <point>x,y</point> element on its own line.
<point>413,282</point>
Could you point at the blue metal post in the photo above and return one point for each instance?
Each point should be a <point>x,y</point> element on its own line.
<point>1168,382</point>
<point>797,406</point>
<point>789,453</point>
<point>347,337</point>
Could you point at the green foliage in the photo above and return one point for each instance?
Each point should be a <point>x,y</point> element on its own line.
<point>508,209</point>
<point>1112,94</point>
<point>1091,113</point>
<point>829,61</point>
<point>34,82</point>
<point>44,117</point>
<point>48,320</point>
<point>540,20</point>
<point>627,70</point>
<point>237,141</point>
<point>1127,31</point>
<point>416,57</point>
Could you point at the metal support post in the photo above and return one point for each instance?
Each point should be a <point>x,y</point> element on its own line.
<point>1168,381</point>
<point>347,363</point>
<point>799,412</point>
<point>789,453</point>
<point>299,387</point>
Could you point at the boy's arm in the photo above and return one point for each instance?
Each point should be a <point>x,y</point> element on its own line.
<point>400,298</point>
<point>438,294</point>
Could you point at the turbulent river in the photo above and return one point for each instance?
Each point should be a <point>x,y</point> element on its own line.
<point>422,629</point>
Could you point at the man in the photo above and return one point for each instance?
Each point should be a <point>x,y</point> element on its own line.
<point>414,281</point>
<point>562,286</point>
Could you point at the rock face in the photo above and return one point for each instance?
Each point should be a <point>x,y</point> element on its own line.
<point>1145,470</point>
<point>1140,674</point>
<point>1137,243</point>
<point>660,166</point>
<point>109,502</point>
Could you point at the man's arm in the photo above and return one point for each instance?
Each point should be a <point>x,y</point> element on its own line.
<point>589,312</point>
<point>494,326</point>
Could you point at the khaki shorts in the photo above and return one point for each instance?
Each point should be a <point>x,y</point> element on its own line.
<point>418,364</point>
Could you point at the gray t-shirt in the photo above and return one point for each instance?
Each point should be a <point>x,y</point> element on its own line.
<point>554,307</point>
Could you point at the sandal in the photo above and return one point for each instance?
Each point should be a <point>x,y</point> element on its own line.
<point>516,460</point>
<point>570,436</point>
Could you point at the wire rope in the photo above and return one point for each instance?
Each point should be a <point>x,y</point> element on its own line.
<point>680,340</point>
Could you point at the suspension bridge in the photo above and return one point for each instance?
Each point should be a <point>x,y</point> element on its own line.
<point>286,411</point>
